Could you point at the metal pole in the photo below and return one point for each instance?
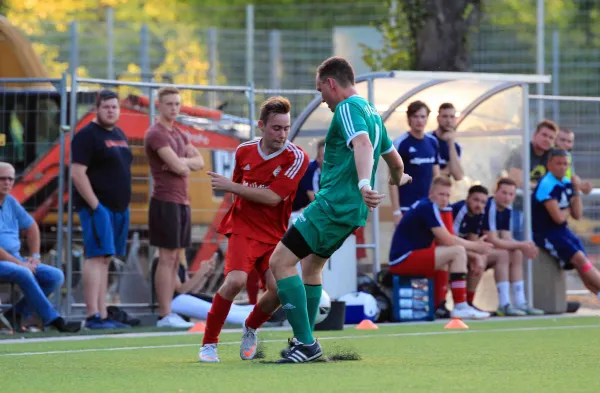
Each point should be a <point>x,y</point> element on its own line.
<point>73,123</point>
<point>110,43</point>
<point>375,215</point>
<point>275,59</point>
<point>249,43</point>
<point>527,187</point>
<point>60,252</point>
<point>151,118</point>
<point>252,108</point>
<point>145,57</point>
<point>555,74</point>
<point>540,26</point>
<point>212,65</point>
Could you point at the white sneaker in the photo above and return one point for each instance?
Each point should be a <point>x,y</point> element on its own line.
<point>249,343</point>
<point>468,312</point>
<point>208,354</point>
<point>173,320</point>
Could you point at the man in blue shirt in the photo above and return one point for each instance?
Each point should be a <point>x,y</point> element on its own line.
<point>36,280</point>
<point>421,245</point>
<point>420,154</point>
<point>555,199</point>
<point>309,185</point>
<point>449,153</point>
<point>497,223</point>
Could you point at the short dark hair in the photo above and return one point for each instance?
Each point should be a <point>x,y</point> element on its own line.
<point>105,95</point>
<point>446,105</point>
<point>567,130</point>
<point>321,143</point>
<point>416,106</point>
<point>274,106</point>
<point>505,181</point>
<point>546,124</point>
<point>337,68</point>
<point>477,188</point>
<point>557,153</point>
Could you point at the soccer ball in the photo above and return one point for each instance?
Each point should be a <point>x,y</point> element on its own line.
<point>324,307</point>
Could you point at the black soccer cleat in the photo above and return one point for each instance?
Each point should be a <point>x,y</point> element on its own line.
<point>291,342</point>
<point>302,353</point>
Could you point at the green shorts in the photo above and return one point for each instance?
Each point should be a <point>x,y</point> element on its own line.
<point>323,235</point>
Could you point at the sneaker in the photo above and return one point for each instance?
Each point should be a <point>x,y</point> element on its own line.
<point>173,320</point>
<point>65,327</point>
<point>208,354</point>
<point>117,324</point>
<point>510,311</point>
<point>291,343</point>
<point>96,322</point>
<point>530,310</point>
<point>249,342</point>
<point>442,312</point>
<point>468,312</point>
<point>302,353</point>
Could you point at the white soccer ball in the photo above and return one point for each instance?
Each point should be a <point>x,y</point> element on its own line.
<point>368,301</point>
<point>324,307</point>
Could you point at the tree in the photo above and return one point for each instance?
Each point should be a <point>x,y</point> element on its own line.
<point>427,35</point>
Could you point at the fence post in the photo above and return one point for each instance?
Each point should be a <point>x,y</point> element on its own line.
<point>152,116</point>
<point>251,107</point>
<point>527,187</point>
<point>212,65</point>
<point>145,57</point>
<point>110,43</point>
<point>275,59</point>
<point>72,123</point>
<point>249,43</point>
<point>555,74</point>
<point>60,252</point>
<point>540,55</point>
<point>375,215</point>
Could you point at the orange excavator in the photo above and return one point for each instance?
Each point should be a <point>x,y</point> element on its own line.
<point>29,139</point>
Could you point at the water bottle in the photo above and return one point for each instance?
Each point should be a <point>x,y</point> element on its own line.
<point>420,315</point>
<point>406,314</point>
<point>405,292</point>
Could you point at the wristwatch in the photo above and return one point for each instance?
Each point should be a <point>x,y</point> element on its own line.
<point>36,256</point>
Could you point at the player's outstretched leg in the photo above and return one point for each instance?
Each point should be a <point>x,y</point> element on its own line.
<point>588,273</point>
<point>292,295</point>
<point>263,310</point>
<point>234,282</point>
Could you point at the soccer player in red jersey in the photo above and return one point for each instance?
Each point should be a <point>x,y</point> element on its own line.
<point>265,179</point>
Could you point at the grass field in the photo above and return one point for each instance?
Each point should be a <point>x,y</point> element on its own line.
<point>529,355</point>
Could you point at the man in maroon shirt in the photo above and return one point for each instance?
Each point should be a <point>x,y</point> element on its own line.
<point>172,157</point>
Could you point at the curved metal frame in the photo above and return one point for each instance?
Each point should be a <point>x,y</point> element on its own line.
<point>484,97</point>
<point>404,97</point>
<point>310,108</point>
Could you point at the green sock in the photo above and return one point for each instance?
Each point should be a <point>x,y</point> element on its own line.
<point>293,300</point>
<point>313,299</point>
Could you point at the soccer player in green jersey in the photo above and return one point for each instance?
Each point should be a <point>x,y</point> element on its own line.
<point>355,141</point>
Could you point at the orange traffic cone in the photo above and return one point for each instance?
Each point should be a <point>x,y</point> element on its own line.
<point>366,324</point>
<point>456,323</point>
<point>199,327</point>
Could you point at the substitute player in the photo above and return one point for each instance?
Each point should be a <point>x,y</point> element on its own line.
<point>354,142</point>
<point>422,244</point>
<point>497,226</point>
<point>265,179</point>
<point>553,201</point>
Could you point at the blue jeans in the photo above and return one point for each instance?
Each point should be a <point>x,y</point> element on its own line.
<point>36,288</point>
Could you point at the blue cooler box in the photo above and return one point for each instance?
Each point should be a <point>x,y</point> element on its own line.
<point>413,299</point>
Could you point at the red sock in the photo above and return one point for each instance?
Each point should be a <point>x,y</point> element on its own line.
<point>440,286</point>
<point>216,319</point>
<point>470,296</point>
<point>257,317</point>
<point>252,287</point>
<point>458,283</point>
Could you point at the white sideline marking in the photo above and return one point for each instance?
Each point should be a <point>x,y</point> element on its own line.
<point>350,337</point>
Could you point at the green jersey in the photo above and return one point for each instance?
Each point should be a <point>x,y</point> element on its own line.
<point>339,195</point>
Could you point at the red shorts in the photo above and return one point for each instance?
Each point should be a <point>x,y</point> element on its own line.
<point>417,263</point>
<point>245,254</point>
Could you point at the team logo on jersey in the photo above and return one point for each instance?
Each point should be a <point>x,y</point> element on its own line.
<point>412,150</point>
<point>276,171</point>
<point>247,167</point>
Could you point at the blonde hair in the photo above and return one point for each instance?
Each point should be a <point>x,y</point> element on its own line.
<point>166,91</point>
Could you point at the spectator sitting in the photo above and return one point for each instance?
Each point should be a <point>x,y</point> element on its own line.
<point>36,280</point>
<point>422,244</point>
<point>553,201</point>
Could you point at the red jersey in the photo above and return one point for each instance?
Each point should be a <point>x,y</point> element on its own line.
<point>280,172</point>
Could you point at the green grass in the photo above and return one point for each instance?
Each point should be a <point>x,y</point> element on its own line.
<point>539,355</point>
